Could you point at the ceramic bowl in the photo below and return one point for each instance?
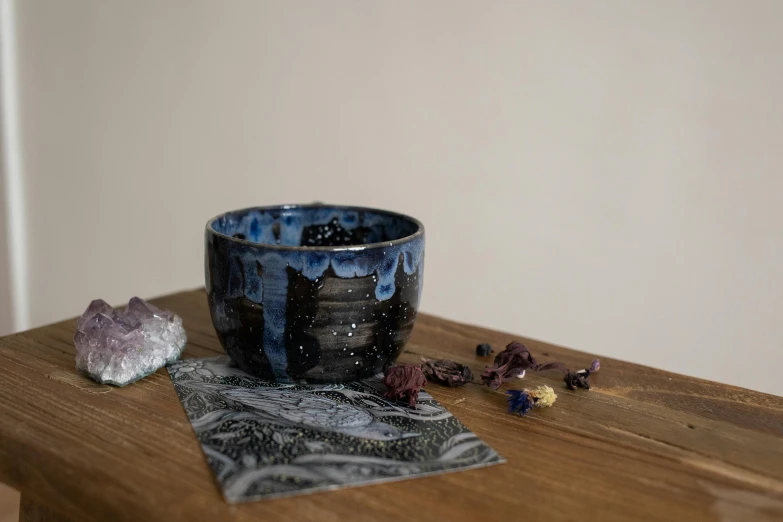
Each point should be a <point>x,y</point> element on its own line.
<point>314,293</point>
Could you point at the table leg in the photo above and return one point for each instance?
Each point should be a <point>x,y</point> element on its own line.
<point>32,511</point>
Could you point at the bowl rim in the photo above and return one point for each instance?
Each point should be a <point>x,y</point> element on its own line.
<point>418,233</point>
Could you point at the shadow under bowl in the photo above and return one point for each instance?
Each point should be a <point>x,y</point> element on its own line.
<point>313,293</point>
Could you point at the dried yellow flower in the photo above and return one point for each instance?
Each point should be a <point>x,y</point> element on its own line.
<point>544,396</point>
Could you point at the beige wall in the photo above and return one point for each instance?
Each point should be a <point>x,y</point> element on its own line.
<point>606,175</point>
<point>6,308</point>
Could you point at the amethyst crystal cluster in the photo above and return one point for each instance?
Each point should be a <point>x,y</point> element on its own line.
<point>120,347</point>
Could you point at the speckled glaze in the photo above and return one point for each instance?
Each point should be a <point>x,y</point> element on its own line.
<point>313,293</point>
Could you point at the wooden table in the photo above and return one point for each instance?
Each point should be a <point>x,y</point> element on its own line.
<point>643,444</point>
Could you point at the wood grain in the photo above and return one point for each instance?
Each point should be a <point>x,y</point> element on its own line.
<point>31,511</point>
<point>643,444</point>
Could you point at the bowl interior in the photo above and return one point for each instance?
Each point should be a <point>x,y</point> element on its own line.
<point>314,226</point>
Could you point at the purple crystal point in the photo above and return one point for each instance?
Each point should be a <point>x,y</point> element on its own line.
<point>141,309</point>
<point>119,347</point>
<point>98,306</point>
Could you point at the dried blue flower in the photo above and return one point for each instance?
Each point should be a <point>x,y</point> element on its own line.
<point>519,402</point>
<point>484,349</point>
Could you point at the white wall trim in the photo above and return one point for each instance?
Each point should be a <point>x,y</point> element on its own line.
<point>13,179</point>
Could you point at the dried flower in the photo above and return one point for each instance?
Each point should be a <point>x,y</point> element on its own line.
<point>523,401</point>
<point>578,379</point>
<point>403,383</point>
<point>484,349</point>
<point>512,361</point>
<point>446,372</point>
<point>519,402</point>
<point>516,358</point>
<point>543,396</point>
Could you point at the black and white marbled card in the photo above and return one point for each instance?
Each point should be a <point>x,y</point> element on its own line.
<point>265,440</point>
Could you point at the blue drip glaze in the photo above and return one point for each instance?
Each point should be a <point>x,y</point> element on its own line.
<point>291,229</point>
<point>275,291</point>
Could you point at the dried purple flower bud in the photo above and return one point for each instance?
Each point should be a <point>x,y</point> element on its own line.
<point>446,372</point>
<point>578,379</point>
<point>403,383</point>
<point>512,361</point>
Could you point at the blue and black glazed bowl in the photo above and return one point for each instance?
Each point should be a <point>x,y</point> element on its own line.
<point>314,293</point>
